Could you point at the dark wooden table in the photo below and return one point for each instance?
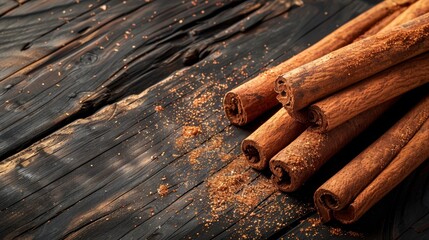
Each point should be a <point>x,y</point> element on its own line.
<point>95,96</point>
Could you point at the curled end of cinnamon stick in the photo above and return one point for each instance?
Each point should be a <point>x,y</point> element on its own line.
<point>347,215</point>
<point>283,176</point>
<point>254,156</point>
<point>328,199</point>
<point>284,93</point>
<point>234,109</point>
<point>324,212</point>
<point>318,119</point>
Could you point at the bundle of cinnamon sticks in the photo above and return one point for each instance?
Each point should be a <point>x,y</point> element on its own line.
<point>333,91</point>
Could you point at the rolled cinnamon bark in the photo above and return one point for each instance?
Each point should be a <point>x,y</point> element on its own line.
<point>280,130</point>
<point>344,186</point>
<point>382,23</point>
<point>415,10</point>
<point>293,165</point>
<point>341,68</point>
<point>409,158</point>
<point>249,100</point>
<point>344,105</point>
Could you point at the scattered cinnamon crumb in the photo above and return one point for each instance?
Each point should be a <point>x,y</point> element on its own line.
<point>202,99</point>
<point>335,231</point>
<point>163,190</point>
<point>159,108</point>
<point>194,155</point>
<point>190,131</point>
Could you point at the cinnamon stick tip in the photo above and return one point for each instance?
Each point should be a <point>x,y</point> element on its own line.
<point>234,109</point>
<point>254,156</point>
<point>285,94</point>
<point>281,176</point>
<point>327,199</point>
<point>279,84</point>
<point>317,118</point>
<point>347,215</point>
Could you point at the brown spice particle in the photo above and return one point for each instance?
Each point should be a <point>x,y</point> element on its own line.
<point>159,108</point>
<point>190,131</point>
<point>163,190</point>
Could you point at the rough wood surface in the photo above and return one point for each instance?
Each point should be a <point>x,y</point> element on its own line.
<point>99,176</point>
<point>81,76</point>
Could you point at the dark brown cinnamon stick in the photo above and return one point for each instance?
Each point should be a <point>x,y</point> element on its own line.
<point>344,186</point>
<point>280,130</point>
<point>304,85</point>
<point>293,165</point>
<point>344,105</point>
<point>248,101</point>
<point>409,158</point>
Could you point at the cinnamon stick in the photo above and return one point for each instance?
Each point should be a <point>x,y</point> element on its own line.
<point>382,23</point>
<point>280,130</point>
<point>416,9</point>
<point>340,190</point>
<point>341,68</point>
<point>293,165</point>
<point>399,17</point>
<point>344,105</point>
<point>248,101</point>
<point>408,159</point>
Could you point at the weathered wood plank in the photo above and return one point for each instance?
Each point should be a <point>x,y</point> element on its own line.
<point>57,170</point>
<point>38,28</point>
<point>82,76</point>
<point>100,175</point>
<point>6,6</point>
<point>109,166</point>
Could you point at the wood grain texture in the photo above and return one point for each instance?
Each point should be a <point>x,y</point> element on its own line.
<point>82,76</point>
<point>6,6</point>
<point>109,165</point>
<point>98,177</point>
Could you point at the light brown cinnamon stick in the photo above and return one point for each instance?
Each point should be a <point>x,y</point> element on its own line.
<point>344,186</point>
<point>272,136</point>
<point>415,10</point>
<point>382,23</point>
<point>344,105</point>
<point>248,101</point>
<point>408,159</point>
<point>293,165</point>
<point>334,71</point>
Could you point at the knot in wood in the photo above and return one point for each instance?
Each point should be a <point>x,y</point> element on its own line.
<point>88,58</point>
